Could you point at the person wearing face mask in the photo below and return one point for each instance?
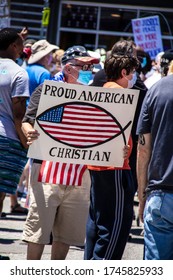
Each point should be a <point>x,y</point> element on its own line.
<point>122,47</point>
<point>39,63</point>
<point>155,72</point>
<point>132,81</point>
<point>145,63</point>
<point>23,59</point>
<point>60,208</point>
<point>112,189</point>
<point>77,66</point>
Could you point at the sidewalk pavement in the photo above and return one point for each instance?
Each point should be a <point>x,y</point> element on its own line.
<point>11,245</point>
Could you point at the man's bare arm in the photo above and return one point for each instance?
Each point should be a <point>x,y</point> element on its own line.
<point>143,158</point>
<point>19,108</point>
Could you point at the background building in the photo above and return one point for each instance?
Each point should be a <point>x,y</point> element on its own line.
<point>4,13</point>
<point>90,23</point>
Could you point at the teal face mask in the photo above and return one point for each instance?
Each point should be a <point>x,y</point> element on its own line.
<point>84,77</point>
<point>144,62</point>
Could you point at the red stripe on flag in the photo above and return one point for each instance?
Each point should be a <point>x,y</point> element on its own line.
<point>75,174</point>
<point>78,128</point>
<point>81,135</point>
<point>49,171</point>
<point>68,175</point>
<point>88,119</point>
<point>40,175</point>
<point>55,172</point>
<point>62,173</point>
<point>82,107</point>
<point>79,183</point>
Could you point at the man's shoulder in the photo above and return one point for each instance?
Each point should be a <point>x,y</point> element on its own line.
<point>59,77</point>
<point>99,78</point>
<point>36,67</point>
<point>164,83</point>
<point>15,70</point>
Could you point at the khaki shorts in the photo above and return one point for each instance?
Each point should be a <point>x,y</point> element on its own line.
<point>57,209</point>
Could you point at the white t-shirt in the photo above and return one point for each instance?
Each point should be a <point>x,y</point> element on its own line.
<point>155,77</point>
<point>14,82</point>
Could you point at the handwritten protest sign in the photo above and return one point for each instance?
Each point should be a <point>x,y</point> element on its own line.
<point>83,124</point>
<point>147,34</point>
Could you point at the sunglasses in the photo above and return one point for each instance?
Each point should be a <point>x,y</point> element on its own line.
<point>84,67</point>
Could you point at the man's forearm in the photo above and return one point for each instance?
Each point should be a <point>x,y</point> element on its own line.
<point>143,158</point>
<point>21,136</point>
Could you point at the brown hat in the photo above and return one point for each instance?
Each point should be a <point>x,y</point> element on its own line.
<point>40,49</point>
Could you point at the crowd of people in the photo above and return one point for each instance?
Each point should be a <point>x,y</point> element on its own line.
<point>82,205</point>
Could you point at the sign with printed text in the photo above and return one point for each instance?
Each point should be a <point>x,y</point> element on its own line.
<point>83,124</point>
<point>147,35</point>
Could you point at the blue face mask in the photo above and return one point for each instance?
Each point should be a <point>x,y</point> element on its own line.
<point>132,81</point>
<point>84,77</point>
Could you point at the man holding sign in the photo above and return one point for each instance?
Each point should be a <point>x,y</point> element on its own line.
<point>59,191</point>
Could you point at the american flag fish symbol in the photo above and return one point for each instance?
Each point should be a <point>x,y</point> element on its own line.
<point>80,125</point>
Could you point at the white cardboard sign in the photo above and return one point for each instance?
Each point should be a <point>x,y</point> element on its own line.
<point>83,124</point>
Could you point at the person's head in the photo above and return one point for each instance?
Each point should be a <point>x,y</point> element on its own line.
<point>27,44</point>
<point>102,53</point>
<point>165,60</point>
<point>121,68</point>
<point>56,61</point>
<point>156,62</point>
<point>124,47</point>
<point>11,43</point>
<point>57,55</point>
<point>170,69</point>
<point>145,61</point>
<point>41,53</point>
<point>78,65</point>
<point>26,51</point>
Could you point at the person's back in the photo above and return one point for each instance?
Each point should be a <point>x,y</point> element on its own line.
<point>160,107</point>
<point>37,74</point>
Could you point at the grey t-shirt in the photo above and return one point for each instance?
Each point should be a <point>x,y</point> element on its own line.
<point>156,118</point>
<point>14,82</point>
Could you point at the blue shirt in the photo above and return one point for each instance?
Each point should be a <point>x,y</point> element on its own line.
<point>37,74</point>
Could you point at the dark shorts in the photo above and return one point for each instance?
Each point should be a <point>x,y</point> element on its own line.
<point>12,161</point>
